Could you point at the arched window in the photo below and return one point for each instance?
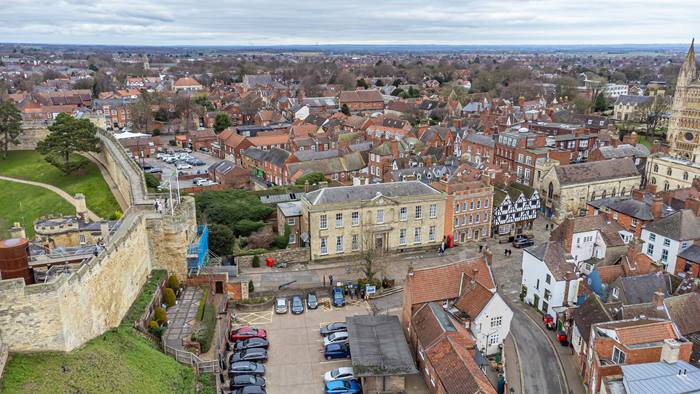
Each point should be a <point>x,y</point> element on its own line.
<point>666,186</point>
<point>656,168</point>
<point>653,181</point>
<point>550,190</point>
<point>592,196</point>
<point>623,191</point>
<point>614,192</point>
<point>685,175</point>
<point>669,171</point>
<point>605,193</point>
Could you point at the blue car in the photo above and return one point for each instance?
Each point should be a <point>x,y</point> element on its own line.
<point>337,350</point>
<point>338,297</point>
<point>343,386</point>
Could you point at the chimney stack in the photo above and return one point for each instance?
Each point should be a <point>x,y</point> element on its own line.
<point>81,206</point>
<point>657,207</point>
<point>638,195</point>
<point>658,299</point>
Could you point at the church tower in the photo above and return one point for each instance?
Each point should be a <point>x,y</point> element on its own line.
<point>684,126</point>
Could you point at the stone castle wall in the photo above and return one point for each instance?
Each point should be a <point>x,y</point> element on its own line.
<point>32,133</point>
<point>64,314</point>
<point>68,311</point>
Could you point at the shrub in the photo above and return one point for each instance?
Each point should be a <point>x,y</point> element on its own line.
<point>254,300</point>
<point>169,297</point>
<point>161,316</point>
<point>251,287</point>
<point>152,325</point>
<point>256,261</point>
<point>151,181</point>
<point>155,132</point>
<point>116,215</point>
<point>173,282</point>
<point>202,303</point>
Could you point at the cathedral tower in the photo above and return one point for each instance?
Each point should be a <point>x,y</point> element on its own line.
<point>684,126</point>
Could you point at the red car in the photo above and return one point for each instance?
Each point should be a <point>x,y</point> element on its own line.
<point>248,332</point>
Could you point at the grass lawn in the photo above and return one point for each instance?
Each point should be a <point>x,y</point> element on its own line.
<point>26,203</point>
<point>120,361</point>
<point>30,165</point>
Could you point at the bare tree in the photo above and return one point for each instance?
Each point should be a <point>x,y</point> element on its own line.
<point>652,114</point>
<point>140,114</point>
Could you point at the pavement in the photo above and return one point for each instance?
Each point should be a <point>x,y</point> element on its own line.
<point>182,318</point>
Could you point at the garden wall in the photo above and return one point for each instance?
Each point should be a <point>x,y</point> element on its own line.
<point>291,255</point>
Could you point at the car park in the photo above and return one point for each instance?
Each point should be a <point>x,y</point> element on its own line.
<point>239,381</point>
<point>522,242</point>
<point>343,387</point>
<point>281,305</point>
<point>338,297</point>
<point>343,373</point>
<point>247,332</point>
<point>311,300</point>
<point>333,327</point>
<point>255,354</point>
<point>336,337</point>
<point>246,368</point>
<point>297,305</point>
<point>251,344</point>
<point>336,350</point>
<point>249,390</point>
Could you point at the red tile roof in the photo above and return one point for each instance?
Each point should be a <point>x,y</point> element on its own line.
<point>474,298</point>
<point>457,370</point>
<point>443,282</point>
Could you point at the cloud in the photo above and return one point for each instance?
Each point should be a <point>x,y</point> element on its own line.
<point>274,22</point>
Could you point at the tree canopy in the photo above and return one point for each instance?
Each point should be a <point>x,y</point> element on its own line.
<point>313,178</point>
<point>68,135</point>
<point>220,239</point>
<point>239,210</point>
<point>221,122</point>
<point>10,125</point>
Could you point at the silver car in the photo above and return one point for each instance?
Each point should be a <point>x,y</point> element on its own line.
<point>281,305</point>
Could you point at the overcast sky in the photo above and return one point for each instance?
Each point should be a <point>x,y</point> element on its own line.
<point>274,22</point>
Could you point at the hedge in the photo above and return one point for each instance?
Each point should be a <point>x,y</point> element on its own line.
<point>139,306</point>
<point>202,303</point>
<point>209,322</point>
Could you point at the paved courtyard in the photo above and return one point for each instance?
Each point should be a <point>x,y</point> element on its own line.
<point>296,364</point>
<point>183,317</point>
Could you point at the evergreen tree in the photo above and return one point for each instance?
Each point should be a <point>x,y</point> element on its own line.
<point>221,122</point>
<point>68,135</point>
<point>345,109</point>
<point>10,125</point>
<point>601,104</point>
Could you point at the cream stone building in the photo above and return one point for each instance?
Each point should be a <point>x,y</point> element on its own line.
<point>382,218</point>
<point>684,126</point>
<point>564,190</point>
<point>669,173</point>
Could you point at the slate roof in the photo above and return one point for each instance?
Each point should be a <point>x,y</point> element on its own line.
<point>632,100</point>
<point>552,253</point>
<point>629,206</point>
<point>427,174</point>
<point>306,155</point>
<point>624,150</point>
<point>691,254</point>
<point>661,377</point>
<point>290,209</point>
<point>572,174</point>
<point>274,156</point>
<point>481,139</point>
<point>640,289</point>
<point>331,195</point>
<point>379,347</point>
<point>684,311</point>
<point>589,313</point>
<point>680,226</point>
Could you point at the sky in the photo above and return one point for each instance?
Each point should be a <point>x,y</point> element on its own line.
<point>311,22</point>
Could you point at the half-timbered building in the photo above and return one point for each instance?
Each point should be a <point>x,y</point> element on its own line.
<point>514,210</point>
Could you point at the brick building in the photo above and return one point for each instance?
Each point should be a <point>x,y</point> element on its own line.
<point>361,100</point>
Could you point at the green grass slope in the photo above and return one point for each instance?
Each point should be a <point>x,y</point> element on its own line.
<point>26,203</point>
<point>30,165</point>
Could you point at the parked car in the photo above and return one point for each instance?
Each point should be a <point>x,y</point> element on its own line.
<point>154,170</point>
<point>246,380</point>
<point>251,344</point>
<point>281,305</point>
<point>311,300</point>
<point>336,337</point>
<point>343,387</point>
<point>249,390</point>
<point>246,368</point>
<point>522,242</point>
<point>297,305</point>
<point>333,327</point>
<point>256,354</point>
<point>247,332</point>
<point>343,373</point>
<point>338,297</point>
<point>183,166</point>
<point>336,350</point>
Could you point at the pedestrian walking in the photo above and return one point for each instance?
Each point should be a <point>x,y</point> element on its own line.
<point>505,252</point>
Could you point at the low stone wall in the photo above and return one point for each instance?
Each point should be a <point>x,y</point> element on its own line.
<point>291,255</point>
<point>265,306</point>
